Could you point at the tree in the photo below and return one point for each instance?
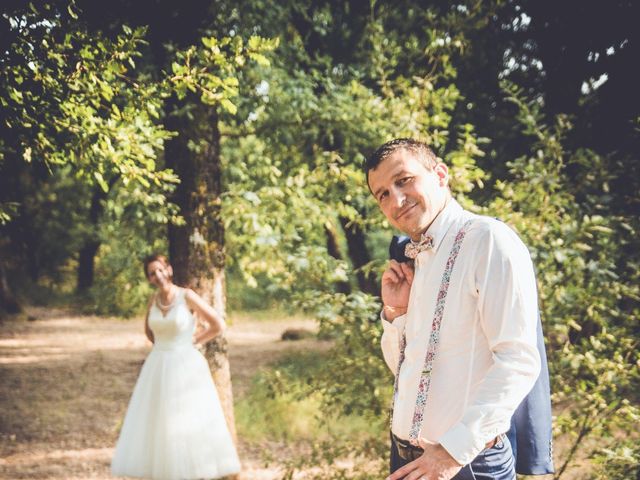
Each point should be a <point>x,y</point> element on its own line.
<point>276,189</point>
<point>587,283</point>
<point>303,144</point>
<point>69,100</point>
<point>203,77</point>
<point>92,101</point>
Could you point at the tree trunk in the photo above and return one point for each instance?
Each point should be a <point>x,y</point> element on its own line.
<point>333,249</point>
<point>197,248</point>
<point>86,260</point>
<point>359,256</point>
<point>8,302</point>
<point>87,255</point>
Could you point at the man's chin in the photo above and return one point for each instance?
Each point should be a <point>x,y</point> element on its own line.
<point>411,229</point>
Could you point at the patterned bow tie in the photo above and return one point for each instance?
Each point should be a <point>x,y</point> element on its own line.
<point>414,248</point>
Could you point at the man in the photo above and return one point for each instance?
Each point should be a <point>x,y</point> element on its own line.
<point>459,325</point>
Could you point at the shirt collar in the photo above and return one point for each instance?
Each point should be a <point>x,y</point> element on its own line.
<point>443,222</point>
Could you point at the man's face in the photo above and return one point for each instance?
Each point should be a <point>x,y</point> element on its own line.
<point>410,195</point>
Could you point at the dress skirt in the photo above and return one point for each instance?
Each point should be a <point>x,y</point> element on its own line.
<point>174,427</point>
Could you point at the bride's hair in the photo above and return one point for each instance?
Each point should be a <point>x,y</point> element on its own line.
<point>154,257</point>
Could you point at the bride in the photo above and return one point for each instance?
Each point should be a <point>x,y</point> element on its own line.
<point>174,427</point>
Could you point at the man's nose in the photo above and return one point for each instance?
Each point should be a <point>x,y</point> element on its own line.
<point>397,197</point>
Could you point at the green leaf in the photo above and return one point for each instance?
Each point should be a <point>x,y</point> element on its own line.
<point>101,181</point>
<point>259,58</point>
<point>228,106</point>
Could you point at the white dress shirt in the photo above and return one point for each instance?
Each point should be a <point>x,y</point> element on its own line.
<point>487,360</point>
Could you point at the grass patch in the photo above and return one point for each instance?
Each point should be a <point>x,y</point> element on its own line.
<point>268,315</point>
<point>283,405</point>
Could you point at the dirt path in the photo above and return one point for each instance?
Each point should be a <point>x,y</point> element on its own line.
<point>65,381</point>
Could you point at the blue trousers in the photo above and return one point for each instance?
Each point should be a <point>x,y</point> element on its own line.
<point>495,463</point>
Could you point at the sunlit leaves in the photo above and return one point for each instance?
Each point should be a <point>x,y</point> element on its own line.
<point>212,71</point>
<point>74,97</point>
<point>588,287</point>
<point>78,102</point>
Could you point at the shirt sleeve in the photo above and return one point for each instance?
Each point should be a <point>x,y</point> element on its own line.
<point>390,342</point>
<point>504,281</point>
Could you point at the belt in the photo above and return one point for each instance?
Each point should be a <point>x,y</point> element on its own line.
<point>410,452</point>
<point>405,450</point>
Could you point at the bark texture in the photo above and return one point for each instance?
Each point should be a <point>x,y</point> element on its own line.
<point>196,249</point>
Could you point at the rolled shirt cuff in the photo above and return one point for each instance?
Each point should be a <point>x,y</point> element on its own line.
<point>396,326</point>
<point>461,444</point>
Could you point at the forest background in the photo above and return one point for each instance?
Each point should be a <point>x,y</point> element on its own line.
<point>231,135</point>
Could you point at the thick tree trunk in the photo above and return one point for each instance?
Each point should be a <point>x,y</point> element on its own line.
<point>359,256</point>
<point>197,248</point>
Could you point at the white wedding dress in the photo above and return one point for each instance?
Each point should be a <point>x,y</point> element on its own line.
<point>174,428</point>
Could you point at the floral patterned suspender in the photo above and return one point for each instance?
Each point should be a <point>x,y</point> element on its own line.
<point>434,340</point>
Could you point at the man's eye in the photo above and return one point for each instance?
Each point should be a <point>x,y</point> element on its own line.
<point>403,180</point>
<point>382,196</point>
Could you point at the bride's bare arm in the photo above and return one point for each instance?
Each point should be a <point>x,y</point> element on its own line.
<point>147,330</point>
<point>212,323</point>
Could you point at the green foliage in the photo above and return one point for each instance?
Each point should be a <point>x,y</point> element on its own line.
<point>78,120</point>
<point>620,462</point>
<point>56,209</point>
<point>587,279</point>
<point>118,289</point>
<point>83,105</point>
<point>294,172</point>
<point>555,197</point>
<point>259,298</point>
<point>212,71</point>
<point>357,380</point>
<point>133,226</point>
<point>69,98</point>
<point>284,405</point>
<point>84,112</point>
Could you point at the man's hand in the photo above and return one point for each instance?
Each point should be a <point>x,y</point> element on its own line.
<point>434,464</point>
<point>396,285</point>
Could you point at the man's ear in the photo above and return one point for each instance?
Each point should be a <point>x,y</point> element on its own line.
<point>442,171</point>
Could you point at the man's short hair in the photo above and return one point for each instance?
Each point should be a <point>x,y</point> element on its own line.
<point>421,150</point>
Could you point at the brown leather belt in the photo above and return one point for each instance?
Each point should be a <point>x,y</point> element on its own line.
<point>410,452</point>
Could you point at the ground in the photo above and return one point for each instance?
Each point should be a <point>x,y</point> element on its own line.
<point>65,381</point>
